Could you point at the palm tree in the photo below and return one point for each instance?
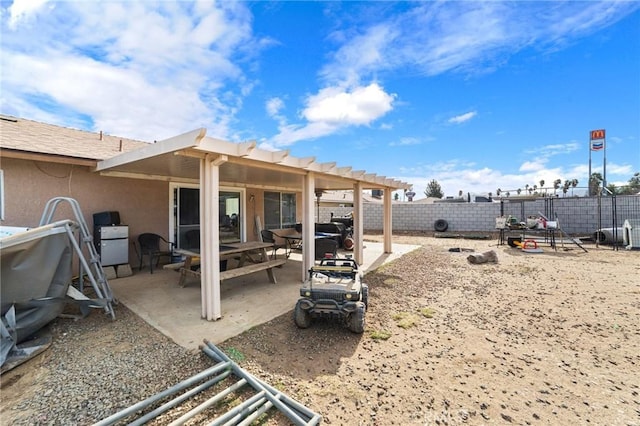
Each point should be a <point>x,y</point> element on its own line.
<point>519,191</point>
<point>566,186</point>
<point>574,183</point>
<point>556,185</point>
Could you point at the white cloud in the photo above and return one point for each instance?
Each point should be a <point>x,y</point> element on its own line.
<point>334,108</point>
<point>363,53</point>
<point>290,134</point>
<point>137,69</point>
<point>274,106</point>
<point>454,176</point>
<point>22,10</point>
<point>458,119</point>
<point>359,106</point>
<point>532,166</point>
<point>406,141</point>
<point>468,36</point>
<point>554,149</point>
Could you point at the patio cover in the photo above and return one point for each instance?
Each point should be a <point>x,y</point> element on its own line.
<point>196,158</point>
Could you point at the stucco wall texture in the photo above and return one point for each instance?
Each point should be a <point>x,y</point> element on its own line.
<point>143,205</point>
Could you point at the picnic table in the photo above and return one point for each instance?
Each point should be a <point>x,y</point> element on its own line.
<point>252,257</point>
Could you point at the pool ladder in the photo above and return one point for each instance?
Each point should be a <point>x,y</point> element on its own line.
<point>93,268</point>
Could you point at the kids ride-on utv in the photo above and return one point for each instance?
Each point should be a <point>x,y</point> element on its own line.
<point>334,290</point>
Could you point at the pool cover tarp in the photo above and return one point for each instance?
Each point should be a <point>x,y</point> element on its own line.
<point>35,273</point>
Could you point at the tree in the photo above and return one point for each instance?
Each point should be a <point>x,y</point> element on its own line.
<point>556,185</point>
<point>434,189</point>
<point>396,196</point>
<point>633,187</point>
<point>574,183</point>
<point>594,183</point>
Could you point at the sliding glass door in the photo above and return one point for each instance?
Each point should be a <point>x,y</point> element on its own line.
<point>186,216</point>
<point>230,214</point>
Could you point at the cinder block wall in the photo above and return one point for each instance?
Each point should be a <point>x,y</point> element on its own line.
<point>576,216</point>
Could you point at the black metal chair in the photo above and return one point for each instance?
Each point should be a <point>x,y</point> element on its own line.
<point>325,246</point>
<point>150,245</point>
<point>270,237</point>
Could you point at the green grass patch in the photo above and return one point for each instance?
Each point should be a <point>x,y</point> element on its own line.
<point>391,282</point>
<point>380,334</point>
<point>235,354</point>
<point>406,319</point>
<point>427,312</point>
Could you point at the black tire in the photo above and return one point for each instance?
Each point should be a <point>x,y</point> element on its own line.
<point>440,225</point>
<point>301,317</point>
<point>356,319</point>
<point>365,295</point>
<point>348,243</point>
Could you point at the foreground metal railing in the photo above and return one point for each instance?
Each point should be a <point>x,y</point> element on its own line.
<point>265,398</point>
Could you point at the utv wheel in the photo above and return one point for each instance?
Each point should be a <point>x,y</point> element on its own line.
<point>365,295</point>
<point>356,319</point>
<point>301,317</point>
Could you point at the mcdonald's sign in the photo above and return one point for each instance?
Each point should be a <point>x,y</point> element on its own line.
<point>597,135</point>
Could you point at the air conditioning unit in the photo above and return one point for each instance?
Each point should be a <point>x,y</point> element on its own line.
<point>631,233</point>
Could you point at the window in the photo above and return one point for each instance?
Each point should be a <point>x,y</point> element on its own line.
<point>279,210</point>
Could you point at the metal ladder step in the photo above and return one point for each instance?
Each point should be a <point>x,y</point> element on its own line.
<point>92,268</point>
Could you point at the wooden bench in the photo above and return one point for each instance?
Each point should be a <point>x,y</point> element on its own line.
<point>251,268</point>
<point>237,272</point>
<point>173,266</point>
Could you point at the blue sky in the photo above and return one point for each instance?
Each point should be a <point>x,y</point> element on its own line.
<point>476,95</point>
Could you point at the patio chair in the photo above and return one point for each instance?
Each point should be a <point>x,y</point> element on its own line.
<point>270,237</point>
<point>150,245</point>
<point>325,246</point>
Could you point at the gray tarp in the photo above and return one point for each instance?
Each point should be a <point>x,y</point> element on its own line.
<point>35,273</point>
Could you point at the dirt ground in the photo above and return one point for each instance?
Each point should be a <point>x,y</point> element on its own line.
<point>536,338</point>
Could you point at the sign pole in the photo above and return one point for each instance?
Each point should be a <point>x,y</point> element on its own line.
<point>604,165</point>
<point>598,142</point>
<point>589,178</point>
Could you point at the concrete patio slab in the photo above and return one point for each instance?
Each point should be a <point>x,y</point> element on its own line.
<point>246,301</point>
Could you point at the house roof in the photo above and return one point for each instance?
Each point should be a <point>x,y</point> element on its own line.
<point>178,158</point>
<point>27,136</point>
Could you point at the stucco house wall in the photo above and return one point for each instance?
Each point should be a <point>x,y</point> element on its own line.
<point>143,204</point>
